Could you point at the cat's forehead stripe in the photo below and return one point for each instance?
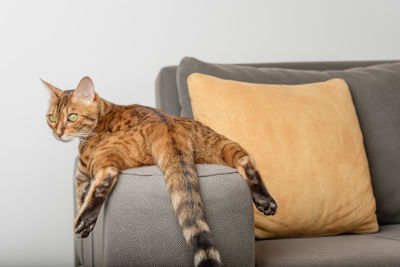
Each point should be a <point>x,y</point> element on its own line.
<point>63,100</point>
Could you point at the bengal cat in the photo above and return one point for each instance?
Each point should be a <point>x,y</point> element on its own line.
<point>114,138</point>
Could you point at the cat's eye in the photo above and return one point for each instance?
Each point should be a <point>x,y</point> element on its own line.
<point>52,118</point>
<point>72,117</point>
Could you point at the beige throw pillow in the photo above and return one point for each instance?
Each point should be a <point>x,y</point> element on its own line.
<point>308,146</point>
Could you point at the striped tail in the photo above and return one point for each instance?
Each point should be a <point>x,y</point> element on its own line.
<point>182,182</point>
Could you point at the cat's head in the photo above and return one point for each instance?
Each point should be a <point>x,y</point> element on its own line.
<point>72,113</point>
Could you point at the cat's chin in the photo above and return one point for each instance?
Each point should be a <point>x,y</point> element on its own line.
<point>64,139</point>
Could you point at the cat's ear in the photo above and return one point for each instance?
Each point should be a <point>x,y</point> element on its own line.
<point>84,91</point>
<point>54,91</point>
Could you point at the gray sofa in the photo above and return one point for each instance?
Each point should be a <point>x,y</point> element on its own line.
<point>137,226</point>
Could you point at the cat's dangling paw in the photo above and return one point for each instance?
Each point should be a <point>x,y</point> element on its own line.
<point>83,225</point>
<point>265,204</point>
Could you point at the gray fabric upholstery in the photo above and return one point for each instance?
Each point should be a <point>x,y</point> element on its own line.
<point>167,90</point>
<point>138,227</point>
<point>380,249</point>
<point>376,94</point>
<point>257,73</point>
<point>166,93</point>
<point>77,243</point>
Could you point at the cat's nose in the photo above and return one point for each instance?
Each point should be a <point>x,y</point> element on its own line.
<point>59,133</point>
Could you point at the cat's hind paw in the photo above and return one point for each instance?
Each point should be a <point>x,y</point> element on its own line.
<point>265,205</point>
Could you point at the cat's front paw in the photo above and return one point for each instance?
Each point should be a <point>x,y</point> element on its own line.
<point>265,204</point>
<point>83,225</point>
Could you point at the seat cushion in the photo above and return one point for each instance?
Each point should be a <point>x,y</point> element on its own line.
<point>379,249</point>
<point>376,95</point>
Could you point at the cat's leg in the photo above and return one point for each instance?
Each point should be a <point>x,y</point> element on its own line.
<point>235,156</point>
<point>106,161</point>
<point>263,200</point>
<point>82,183</point>
<point>104,166</point>
<point>103,182</point>
<point>213,148</point>
<point>174,156</point>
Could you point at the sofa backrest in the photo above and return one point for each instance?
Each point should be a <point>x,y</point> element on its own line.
<point>374,87</point>
<point>167,89</point>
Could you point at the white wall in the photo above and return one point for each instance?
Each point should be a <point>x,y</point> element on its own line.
<point>122,45</point>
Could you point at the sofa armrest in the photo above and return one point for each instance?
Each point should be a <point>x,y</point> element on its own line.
<point>138,227</point>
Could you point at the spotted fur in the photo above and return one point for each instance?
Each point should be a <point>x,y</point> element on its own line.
<point>114,138</point>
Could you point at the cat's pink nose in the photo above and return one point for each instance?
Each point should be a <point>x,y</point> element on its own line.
<point>59,133</point>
